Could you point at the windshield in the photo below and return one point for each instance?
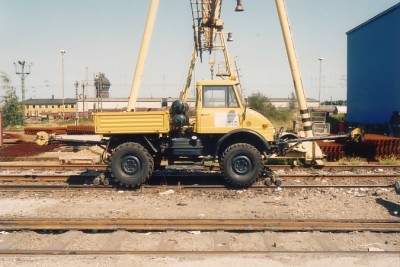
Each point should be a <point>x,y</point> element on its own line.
<point>219,97</point>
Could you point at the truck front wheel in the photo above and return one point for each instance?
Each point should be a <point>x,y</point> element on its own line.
<point>241,165</point>
<point>131,164</point>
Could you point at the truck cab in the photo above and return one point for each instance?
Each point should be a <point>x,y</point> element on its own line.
<point>220,109</point>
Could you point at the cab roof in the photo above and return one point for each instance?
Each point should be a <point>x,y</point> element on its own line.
<point>216,82</point>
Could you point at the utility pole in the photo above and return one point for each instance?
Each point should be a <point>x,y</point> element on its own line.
<point>101,93</point>
<point>83,99</point>
<point>62,83</point>
<point>76,105</point>
<point>22,73</point>
<point>86,85</point>
<point>319,83</point>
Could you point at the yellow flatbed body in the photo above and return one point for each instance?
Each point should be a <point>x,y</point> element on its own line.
<point>143,122</point>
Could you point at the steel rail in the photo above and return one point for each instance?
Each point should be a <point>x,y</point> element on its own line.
<point>37,177</point>
<point>46,188</point>
<point>218,187</point>
<point>53,166</point>
<point>102,167</point>
<point>64,178</point>
<point>52,224</point>
<point>9,252</point>
<point>157,188</point>
<point>337,176</point>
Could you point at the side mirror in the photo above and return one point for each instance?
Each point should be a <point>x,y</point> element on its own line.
<point>164,102</point>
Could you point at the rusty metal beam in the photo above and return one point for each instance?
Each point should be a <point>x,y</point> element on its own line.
<point>13,224</point>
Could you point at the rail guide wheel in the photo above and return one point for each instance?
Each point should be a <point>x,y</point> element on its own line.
<point>271,178</point>
<point>101,179</point>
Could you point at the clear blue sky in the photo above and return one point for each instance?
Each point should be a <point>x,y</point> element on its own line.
<point>105,36</point>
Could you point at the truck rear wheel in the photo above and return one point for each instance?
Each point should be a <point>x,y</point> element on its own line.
<point>131,164</point>
<point>241,164</point>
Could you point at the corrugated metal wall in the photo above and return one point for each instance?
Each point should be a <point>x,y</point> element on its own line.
<point>373,74</point>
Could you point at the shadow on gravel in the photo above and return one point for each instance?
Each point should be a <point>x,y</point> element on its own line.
<point>393,208</point>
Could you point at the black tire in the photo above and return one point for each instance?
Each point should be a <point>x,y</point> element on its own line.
<point>131,164</point>
<point>241,165</point>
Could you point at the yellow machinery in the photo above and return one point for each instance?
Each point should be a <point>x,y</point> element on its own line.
<point>223,129</point>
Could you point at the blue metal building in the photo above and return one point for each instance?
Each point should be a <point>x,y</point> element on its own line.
<point>373,69</point>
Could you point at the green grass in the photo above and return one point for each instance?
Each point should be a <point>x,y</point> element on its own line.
<point>389,160</point>
<point>351,161</point>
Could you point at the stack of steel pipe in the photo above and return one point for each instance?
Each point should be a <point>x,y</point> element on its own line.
<point>23,149</point>
<point>80,129</point>
<point>70,129</point>
<point>375,147</point>
<point>333,151</point>
<point>48,129</point>
<point>383,146</point>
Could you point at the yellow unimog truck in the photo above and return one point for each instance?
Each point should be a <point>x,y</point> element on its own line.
<point>223,130</point>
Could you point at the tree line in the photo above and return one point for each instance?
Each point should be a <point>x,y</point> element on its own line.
<point>263,105</point>
<point>11,108</point>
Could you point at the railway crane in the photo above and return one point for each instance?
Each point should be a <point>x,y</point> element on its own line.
<point>223,130</point>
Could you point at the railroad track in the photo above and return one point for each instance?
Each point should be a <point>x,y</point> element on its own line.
<point>35,177</point>
<point>41,182</point>
<point>286,177</point>
<point>102,167</point>
<point>161,188</point>
<point>170,232</point>
<point>56,167</point>
<point>196,253</point>
<point>244,225</point>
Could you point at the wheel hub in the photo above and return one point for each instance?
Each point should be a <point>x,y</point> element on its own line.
<point>241,165</point>
<point>131,165</point>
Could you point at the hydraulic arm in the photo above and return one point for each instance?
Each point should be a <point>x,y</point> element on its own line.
<point>151,17</point>
<point>294,67</point>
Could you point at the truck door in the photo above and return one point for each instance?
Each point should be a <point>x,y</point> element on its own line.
<point>218,109</point>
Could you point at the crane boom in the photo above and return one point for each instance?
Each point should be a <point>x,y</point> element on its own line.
<point>206,20</point>
<point>208,37</point>
<point>151,17</point>
<point>207,26</point>
<point>184,93</point>
<point>294,67</point>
